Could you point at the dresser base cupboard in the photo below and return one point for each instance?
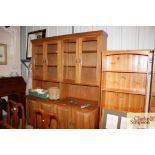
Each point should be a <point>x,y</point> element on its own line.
<point>68,111</point>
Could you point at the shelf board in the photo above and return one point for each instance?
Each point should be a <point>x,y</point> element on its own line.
<point>123,91</point>
<point>38,65</point>
<point>52,53</point>
<point>46,80</point>
<point>52,66</point>
<point>70,52</point>
<point>120,71</point>
<point>89,66</point>
<point>36,53</point>
<point>82,83</point>
<point>69,66</point>
<point>90,51</point>
<point>132,52</point>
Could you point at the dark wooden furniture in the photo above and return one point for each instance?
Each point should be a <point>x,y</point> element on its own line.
<point>14,88</point>
<point>47,119</point>
<point>15,113</point>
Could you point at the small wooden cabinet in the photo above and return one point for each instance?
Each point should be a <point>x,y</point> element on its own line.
<point>124,80</point>
<point>68,111</point>
<point>72,58</point>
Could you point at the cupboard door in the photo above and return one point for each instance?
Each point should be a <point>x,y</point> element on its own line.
<point>53,61</point>
<point>70,55</point>
<point>31,105</point>
<point>37,61</point>
<point>51,108</point>
<point>64,116</point>
<point>89,60</point>
<point>85,119</point>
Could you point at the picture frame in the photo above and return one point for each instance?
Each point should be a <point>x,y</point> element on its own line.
<point>31,36</point>
<point>117,119</point>
<point>3,54</point>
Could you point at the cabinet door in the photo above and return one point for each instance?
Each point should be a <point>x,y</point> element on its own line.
<point>51,108</point>
<point>64,116</point>
<point>37,61</point>
<point>70,59</point>
<point>53,61</point>
<point>84,119</point>
<point>90,60</point>
<point>31,105</point>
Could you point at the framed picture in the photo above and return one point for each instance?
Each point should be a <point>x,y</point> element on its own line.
<point>3,54</point>
<point>113,119</point>
<point>31,36</point>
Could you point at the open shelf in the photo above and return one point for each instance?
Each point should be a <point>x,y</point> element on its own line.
<point>124,79</point>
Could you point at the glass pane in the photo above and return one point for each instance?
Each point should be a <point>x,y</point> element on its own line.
<point>69,60</point>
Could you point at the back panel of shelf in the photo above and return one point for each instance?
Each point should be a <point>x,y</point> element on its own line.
<point>125,63</point>
<point>80,91</point>
<point>134,82</point>
<point>123,101</point>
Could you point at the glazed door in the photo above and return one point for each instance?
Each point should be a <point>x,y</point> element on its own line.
<point>37,61</point>
<point>53,61</point>
<point>70,60</point>
<point>89,60</point>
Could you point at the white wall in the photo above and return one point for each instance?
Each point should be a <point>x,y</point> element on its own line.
<point>119,37</point>
<point>11,37</point>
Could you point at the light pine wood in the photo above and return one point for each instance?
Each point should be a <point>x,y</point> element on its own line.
<point>81,92</point>
<point>124,80</point>
<point>72,59</point>
<point>72,63</point>
<point>68,111</point>
<point>64,115</point>
<point>126,63</point>
<point>84,119</point>
<point>123,101</point>
<point>37,61</point>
